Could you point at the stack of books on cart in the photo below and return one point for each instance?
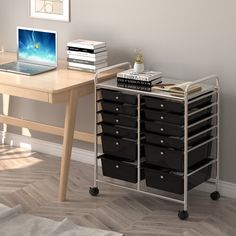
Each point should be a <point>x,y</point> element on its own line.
<point>143,81</point>
<point>86,55</point>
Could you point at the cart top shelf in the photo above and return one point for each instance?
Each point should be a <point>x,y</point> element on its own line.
<point>112,84</point>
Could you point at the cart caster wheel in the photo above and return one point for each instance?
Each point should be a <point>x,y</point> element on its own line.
<point>215,195</point>
<point>94,191</point>
<point>183,215</point>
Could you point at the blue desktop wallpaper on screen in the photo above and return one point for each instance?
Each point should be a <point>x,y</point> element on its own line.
<point>37,46</point>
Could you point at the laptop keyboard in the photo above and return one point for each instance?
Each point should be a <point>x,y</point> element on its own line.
<point>24,68</point>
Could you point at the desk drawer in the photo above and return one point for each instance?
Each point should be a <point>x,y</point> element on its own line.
<point>168,180</point>
<point>126,109</point>
<point>120,147</point>
<point>174,159</point>
<point>122,120</point>
<point>173,106</point>
<point>113,168</point>
<point>119,97</point>
<point>119,131</point>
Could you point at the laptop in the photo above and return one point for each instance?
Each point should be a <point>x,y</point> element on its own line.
<point>36,52</point>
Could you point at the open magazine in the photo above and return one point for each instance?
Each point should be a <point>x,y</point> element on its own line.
<point>178,89</point>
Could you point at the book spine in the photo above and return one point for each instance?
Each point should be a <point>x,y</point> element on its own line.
<point>81,69</point>
<point>76,49</point>
<point>135,87</point>
<point>92,67</point>
<point>86,54</point>
<point>138,76</point>
<point>137,82</point>
<point>86,45</point>
<point>129,76</point>
<point>83,58</point>
<point>93,63</point>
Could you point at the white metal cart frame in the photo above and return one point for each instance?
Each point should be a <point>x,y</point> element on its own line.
<point>94,191</point>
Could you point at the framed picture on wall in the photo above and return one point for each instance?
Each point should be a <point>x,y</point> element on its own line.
<point>50,9</point>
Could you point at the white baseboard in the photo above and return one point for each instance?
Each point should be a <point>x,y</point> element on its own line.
<point>46,147</point>
<point>226,189</point>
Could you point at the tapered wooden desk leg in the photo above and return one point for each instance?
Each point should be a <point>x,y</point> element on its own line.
<point>5,108</point>
<point>67,143</point>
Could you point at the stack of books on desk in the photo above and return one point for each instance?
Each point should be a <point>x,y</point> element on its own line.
<point>143,81</point>
<point>86,55</point>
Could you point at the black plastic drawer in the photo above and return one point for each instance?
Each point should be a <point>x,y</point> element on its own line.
<point>123,120</point>
<point>173,129</point>
<point>113,168</point>
<point>126,109</point>
<point>173,106</point>
<point>174,118</point>
<point>172,141</point>
<point>168,180</point>
<point>119,131</point>
<point>174,159</point>
<point>120,147</point>
<point>119,97</point>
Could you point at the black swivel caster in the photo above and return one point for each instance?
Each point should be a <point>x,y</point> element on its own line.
<point>183,215</point>
<point>215,195</point>
<point>94,191</point>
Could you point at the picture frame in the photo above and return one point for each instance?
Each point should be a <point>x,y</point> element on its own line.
<point>50,9</point>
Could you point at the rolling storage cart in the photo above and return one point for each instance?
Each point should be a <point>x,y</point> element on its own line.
<point>156,138</point>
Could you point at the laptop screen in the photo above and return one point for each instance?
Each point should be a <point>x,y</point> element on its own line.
<point>37,46</point>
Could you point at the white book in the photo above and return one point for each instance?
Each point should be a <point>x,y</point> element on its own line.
<point>83,43</point>
<point>86,62</point>
<point>86,54</point>
<point>76,49</point>
<point>144,76</point>
<point>81,69</point>
<point>95,67</point>
<point>93,59</point>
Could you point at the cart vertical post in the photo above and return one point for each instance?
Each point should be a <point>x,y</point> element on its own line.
<point>186,150</point>
<point>138,140</point>
<point>218,135</point>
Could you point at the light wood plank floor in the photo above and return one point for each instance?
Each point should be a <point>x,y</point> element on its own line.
<point>31,179</point>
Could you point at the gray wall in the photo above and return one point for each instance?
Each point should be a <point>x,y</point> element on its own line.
<point>186,39</point>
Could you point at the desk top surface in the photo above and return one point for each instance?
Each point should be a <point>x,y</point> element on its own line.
<point>55,81</point>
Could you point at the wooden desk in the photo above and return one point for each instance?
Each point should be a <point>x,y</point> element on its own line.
<point>58,86</point>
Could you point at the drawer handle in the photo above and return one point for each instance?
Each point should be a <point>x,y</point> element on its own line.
<point>162,141</point>
<point>162,153</point>
<point>117,131</point>
<point>117,98</point>
<point>117,109</point>
<point>117,143</point>
<point>117,166</point>
<point>162,117</point>
<point>117,121</point>
<point>162,177</point>
<point>162,129</point>
<point>162,105</point>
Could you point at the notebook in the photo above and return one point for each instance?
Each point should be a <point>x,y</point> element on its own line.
<point>36,52</point>
<point>178,89</point>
